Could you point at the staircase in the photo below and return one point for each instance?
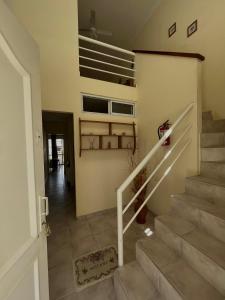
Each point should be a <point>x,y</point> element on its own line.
<point>185,258</point>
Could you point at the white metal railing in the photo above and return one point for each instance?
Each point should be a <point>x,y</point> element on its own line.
<point>119,65</point>
<point>120,210</point>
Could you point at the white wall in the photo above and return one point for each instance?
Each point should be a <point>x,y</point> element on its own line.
<point>208,41</point>
<point>166,86</point>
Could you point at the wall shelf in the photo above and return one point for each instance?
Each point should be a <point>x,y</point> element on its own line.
<point>105,141</point>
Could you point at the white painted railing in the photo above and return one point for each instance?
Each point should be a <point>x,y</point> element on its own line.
<point>113,61</point>
<point>120,210</point>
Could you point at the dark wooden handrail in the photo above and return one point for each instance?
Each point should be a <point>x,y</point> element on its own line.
<point>180,54</point>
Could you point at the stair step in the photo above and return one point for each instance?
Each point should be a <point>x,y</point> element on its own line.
<point>171,274</point>
<point>203,252</point>
<point>213,154</point>
<point>210,189</point>
<point>207,115</point>
<point>215,170</point>
<point>213,126</point>
<point>200,212</point>
<point>212,139</point>
<point>131,283</point>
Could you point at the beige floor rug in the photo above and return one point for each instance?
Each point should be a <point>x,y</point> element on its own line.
<point>94,267</point>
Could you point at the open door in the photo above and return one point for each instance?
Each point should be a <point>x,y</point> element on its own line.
<point>23,251</point>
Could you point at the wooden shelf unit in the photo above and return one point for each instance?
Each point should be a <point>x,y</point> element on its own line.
<point>110,134</point>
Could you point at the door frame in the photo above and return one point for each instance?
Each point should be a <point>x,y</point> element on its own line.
<point>73,143</point>
<point>21,52</point>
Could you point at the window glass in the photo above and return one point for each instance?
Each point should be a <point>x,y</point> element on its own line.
<point>122,108</point>
<point>95,105</point>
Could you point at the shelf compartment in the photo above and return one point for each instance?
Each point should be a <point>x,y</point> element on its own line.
<point>110,128</point>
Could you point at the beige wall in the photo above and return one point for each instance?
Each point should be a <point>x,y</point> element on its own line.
<point>53,24</point>
<point>166,86</point>
<point>208,40</point>
<point>103,171</point>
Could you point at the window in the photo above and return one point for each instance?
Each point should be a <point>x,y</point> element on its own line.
<point>96,105</point>
<point>122,108</point>
<point>101,105</point>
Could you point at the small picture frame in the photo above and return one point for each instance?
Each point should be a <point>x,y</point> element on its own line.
<point>172,29</point>
<point>192,28</point>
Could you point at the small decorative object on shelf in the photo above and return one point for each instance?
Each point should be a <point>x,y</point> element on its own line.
<point>129,146</point>
<point>110,128</point>
<point>91,140</point>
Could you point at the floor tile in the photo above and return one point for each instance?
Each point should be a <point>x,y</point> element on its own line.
<point>61,256</point>
<point>72,238</point>
<point>61,281</point>
<point>83,246</point>
<point>79,230</point>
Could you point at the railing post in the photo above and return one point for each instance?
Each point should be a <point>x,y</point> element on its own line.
<point>120,226</point>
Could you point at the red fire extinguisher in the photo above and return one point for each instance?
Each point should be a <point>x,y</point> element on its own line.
<point>162,130</point>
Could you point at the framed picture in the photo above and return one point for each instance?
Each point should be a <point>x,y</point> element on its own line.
<point>172,29</point>
<point>192,28</point>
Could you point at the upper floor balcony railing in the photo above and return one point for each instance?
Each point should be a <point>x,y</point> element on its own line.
<point>106,62</point>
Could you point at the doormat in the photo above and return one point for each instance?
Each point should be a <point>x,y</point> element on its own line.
<point>94,267</point>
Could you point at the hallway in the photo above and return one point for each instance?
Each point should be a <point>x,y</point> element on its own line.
<point>72,238</point>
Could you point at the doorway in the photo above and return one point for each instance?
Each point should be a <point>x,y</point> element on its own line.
<point>59,164</point>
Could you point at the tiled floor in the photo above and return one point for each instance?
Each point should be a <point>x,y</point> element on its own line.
<point>72,238</point>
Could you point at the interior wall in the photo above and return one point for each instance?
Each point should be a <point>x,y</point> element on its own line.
<point>53,24</point>
<point>166,86</point>
<point>208,41</point>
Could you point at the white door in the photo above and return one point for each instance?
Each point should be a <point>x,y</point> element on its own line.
<point>23,251</point>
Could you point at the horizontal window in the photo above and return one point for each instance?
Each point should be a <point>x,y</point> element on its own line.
<point>101,105</point>
<point>122,108</point>
<point>95,105</point>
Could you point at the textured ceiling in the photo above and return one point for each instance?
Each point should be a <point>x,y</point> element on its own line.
<point>125,18</point>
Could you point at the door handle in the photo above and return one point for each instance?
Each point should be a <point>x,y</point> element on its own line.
<point>44,206</point>
<point>45,199</point>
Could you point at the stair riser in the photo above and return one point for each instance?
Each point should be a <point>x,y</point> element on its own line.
<point>211,170</point>
<point>213,154</point>
<point>168,237</point>
<point>207,268</point>
<point>167,291</point>
<point>148,266</point>
<point>213,126</point>
<point>213,193</point>
<point>182,209</point>
<point>212,139</point>
<point>210,223</point>
<point>120,293</point>
<point>213,225</point>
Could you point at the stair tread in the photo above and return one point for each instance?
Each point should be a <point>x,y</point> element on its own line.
<point>188,283</point>
<point>177,224</point>
<point>208,245</point>
<point>202,204</point>
<point>135,284</point>
<point>208,180</point>
<point>160,253</point>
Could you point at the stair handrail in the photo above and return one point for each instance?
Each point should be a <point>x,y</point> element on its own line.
<point>136,171</point>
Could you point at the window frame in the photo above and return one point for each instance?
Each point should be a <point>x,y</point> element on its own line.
<point>110,101</point>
